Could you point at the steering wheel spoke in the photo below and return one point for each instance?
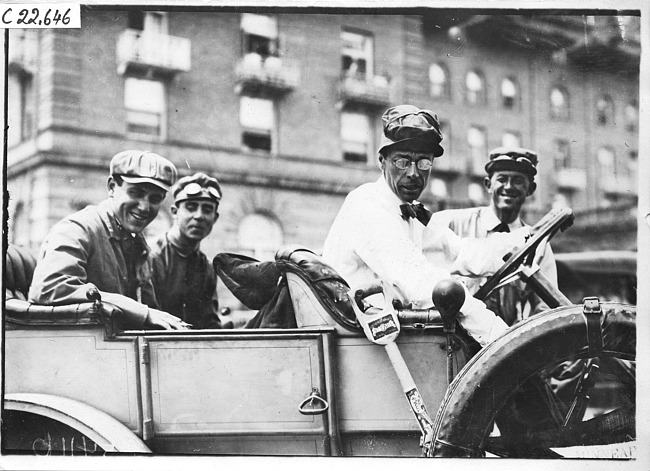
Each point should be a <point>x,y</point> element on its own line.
<point>556,220</point>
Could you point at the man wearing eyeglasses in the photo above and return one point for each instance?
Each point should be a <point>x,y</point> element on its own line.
<point>185,282</point>
<point>510,180</point>
<point>381,228</point>
<point>102,247</point>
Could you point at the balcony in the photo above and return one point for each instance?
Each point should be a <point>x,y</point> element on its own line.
<point>571,179</point>
<point>22,54</point>
<point>619,185</point>
<point>270,76</point>
<point>147,51</point>
<point>366,91</point>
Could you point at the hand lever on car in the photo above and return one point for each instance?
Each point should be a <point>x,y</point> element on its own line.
<point>448,296</point>
<point>382,327</point>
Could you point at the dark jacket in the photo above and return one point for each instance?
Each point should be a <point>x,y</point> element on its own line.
<point>90,249</point>
<point>185,285</point>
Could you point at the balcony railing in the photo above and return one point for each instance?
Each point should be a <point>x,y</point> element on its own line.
<point>271,75</point>
<point>361,90</point>
<point>145,50</point>
<point>22,54</point>
<point>450,163</point>
<point>572,179</point>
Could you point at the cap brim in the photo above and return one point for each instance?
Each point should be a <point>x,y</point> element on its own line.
<point>153,181</point>
<point>416,144</point>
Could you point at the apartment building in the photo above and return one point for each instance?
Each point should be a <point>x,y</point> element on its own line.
<point>284,108</point>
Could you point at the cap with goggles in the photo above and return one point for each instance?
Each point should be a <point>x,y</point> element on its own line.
<point>516,159</point>
<point>199,186</point>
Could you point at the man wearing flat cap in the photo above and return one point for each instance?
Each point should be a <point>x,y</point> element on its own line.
<point>510,180</point>
<point>381,229</point>
<point>184,280</point>
<point>102,246</point>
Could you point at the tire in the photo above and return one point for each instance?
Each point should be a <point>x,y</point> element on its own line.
<point>485,390</point>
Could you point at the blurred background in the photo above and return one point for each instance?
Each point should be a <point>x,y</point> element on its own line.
<point>283,106</point>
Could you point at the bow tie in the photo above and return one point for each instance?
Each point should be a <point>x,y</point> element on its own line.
<point>502,227</point>
<point>417,211</point>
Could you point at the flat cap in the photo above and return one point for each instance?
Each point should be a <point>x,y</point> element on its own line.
<point>411,128</point>
<point>517,159</point>
<point>142,166</point>
<point>197,186</point>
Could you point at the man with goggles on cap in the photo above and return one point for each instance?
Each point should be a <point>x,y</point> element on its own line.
<point>184,280</point>
<point>510,180</point>
<point>381,229</point>
<point>102,246</point>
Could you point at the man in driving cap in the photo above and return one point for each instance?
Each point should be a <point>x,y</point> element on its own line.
<point>184,280</point>
<point>381,228</point>
<point>510,180</point>
<point>103,247</point>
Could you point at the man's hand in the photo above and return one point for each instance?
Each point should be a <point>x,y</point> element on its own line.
<point>163,320</point>
<point>552,214</point>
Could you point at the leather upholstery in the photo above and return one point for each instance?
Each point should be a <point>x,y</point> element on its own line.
<point>331,288</point>
<point>19,271</point>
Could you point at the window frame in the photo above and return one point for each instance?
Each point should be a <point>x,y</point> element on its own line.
<point>162,116</point>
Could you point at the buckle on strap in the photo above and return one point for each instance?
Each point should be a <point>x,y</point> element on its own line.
<point>592,311</point>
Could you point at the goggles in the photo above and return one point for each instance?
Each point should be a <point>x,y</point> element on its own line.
<point>516,159</point>
<point>403,163</point>
<point>196,191</point>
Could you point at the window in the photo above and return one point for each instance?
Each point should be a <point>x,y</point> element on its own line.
<point>632,163</point>
<point>150,21</point>
<point>511,139</point>
<point>260,236</point>
<point>509,93</point>
<point>632,116</point>
<point>438,81</point>
<point>559,103</point>
<point>607,161</point>
<point>19,226</point>
<point>145,105</point>
<point>475,193</point>
<point>257,118</point>
<point>439,188</point>
<point>561,154</point>
<point>356,55</point>
<point>474,88</point>
<point>605,110</point>
<point>20,107</point>
<point>477,142</point>
<point>356,138</point>
<point>260,35</point>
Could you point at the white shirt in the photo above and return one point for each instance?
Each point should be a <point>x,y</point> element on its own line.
<point>480,222</point>
<point>369,241</point>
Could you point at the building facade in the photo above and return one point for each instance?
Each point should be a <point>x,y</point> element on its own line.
<point>284,108</point>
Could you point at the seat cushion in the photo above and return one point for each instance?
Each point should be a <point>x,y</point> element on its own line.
<point>19,271</point>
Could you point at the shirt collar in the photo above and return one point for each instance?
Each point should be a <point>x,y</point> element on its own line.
<point>183,249</point>
<point>489,220</point>
<point>388,194</point>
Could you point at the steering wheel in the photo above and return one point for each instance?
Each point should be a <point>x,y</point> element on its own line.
<point>544,230</point>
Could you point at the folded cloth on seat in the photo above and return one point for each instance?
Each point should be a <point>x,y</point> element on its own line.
<point>258,285</point>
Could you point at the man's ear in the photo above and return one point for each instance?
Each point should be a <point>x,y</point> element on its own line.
<point>531,188</point>
<point>382,162</point>
<point>487,183</point>
<point>110,185</point>
<point>173,209</point>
